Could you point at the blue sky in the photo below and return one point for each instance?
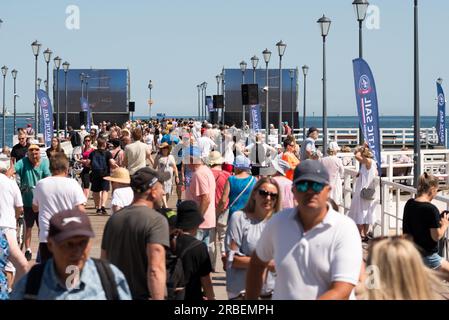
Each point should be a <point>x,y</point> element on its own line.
<point>179,44</point>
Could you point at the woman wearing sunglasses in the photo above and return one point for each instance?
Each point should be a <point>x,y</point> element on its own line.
<point>244,230</point>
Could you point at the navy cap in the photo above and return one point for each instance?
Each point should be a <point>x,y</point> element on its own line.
<point>311,170</point>
<point>311,129</point>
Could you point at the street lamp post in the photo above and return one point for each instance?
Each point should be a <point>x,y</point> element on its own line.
<point>35,46</point>
<point>57,60</point>
<point>223,93</point>
<point>198,87</point>
<point>150,87</point>
<point>65,67</point>
<point>82,84</point>
<point>360,7</point>
<point>39,81</point>
<point>14,76</point>
<point>292,76</point>
<point>218,78</point>
<point>281,50</point>
<point>47,57</point>
<point>204,100</point>
<point>254,62</point>
<point>4,71</point>
<point>305,70</point>
<point>417,142</point>
<point>325,24</point>
<point>243,69</point>
<point>266,56</point>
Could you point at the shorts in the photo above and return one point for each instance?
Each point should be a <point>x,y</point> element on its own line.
<point>30,217</point>
<point>85,178</point>
<point>433,261</point>
<point>99,184</point>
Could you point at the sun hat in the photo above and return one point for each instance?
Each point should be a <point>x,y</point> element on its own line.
<point>120,175</point>
<point>215,158</point>
<point>164,145</point>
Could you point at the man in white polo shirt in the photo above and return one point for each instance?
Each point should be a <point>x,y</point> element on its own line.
<point>317,251</point>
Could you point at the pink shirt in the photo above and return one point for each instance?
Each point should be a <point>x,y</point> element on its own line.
<point>203,182</point>
<point>285,186</point>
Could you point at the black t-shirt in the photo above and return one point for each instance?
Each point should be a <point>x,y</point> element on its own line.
<point>419,218</point>
<point>196,264</point>
<point>18,151</point>
<point>125,239</point>
<point>100,162</point>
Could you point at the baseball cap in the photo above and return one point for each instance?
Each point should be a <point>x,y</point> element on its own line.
<point>311,129</point>
<point>311,170</point>
<point>145,178</point>
<point>68,224</point>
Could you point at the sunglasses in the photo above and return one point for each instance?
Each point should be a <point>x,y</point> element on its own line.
<point>303,186</point>
<point>33,149</point>
<point>265,194</point>
<point>87,140</point>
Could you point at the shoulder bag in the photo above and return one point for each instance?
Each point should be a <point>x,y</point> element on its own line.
<point>223,218</point>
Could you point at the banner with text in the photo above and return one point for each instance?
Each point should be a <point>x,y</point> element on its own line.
<point>46,112</point>
<point>367,107</point>
<point>210,104</point>
<point>441,118</point>
<point>256,118</point>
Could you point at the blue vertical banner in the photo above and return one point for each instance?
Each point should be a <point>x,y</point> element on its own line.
<point>441,118</point>
<point>210,104</point>
<point>256,118</point>
<point>85,107</point>
<point>367,107</point>
<point>46,113</point>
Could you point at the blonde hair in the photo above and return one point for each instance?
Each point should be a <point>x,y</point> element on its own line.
<point>399,273</point>
<point>425,182</point>
<point>251,204</point>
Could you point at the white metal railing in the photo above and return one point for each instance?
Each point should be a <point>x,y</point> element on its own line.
<point>389,211</point>
<point>391,137</point>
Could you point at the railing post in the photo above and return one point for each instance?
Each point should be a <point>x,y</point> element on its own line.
<point>347,192</point>
<point>398,202</point>
<point>384,219</point>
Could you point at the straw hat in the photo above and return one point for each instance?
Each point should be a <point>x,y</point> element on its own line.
<point>164,145</point>
<point>120,175</point>
<point>215,158</point>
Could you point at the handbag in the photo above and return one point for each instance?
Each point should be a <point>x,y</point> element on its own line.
<point>222,220</point>
<point>367,193</point>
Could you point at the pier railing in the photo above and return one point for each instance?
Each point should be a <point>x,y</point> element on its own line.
<point>389,211</point>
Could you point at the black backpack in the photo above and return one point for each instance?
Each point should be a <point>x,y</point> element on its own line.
<point>176,281</point>
<point>104,271</point>
<point>99,164</point>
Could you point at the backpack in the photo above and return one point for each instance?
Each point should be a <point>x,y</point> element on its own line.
<point>176,280</point>
<point>75,139</point>
<point>98,165</point>
<point>104,270</point>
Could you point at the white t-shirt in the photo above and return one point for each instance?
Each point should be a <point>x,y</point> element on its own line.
<point>122,197</point>
<point>205,144</point>
<point>53,195</point>
<point>10,198</point>
<point>308,262</point>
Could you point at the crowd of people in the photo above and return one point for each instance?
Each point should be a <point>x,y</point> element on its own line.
<point>268,213</point>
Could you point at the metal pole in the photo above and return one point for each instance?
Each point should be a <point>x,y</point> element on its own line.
<point>254,75</point>
<point>417,142</point>
<point>280,100</point>
<point>151,105</point>
<point>304,114</point>
<point>57,110</point>
<point>199,101</point>
<point>291,99</point>
<point>267,129</point>
<point>82,89</point>
<point>4,113</point>
<point>48,75</point>
<point>36,115</point>
<point>360,56</point>
<point>65,109</point>
<point>243,106</point>
<point>224,98</point>
<point>324,99</point>
<point>15,112</point>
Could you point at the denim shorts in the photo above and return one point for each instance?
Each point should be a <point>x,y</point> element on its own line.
<point>433,261</point>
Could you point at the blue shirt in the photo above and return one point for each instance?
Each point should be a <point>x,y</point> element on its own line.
<point>4,254</point>
<point>170,139</point>
<point>90,287</point>
<point>236,187</point>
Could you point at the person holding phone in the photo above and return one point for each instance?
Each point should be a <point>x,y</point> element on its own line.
<point>422,220</point>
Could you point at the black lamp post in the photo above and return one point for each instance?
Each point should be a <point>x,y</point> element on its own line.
<point>292,76</point>
<point>305,70</point>
<point>243,66</point>
<point>65,67</point>
<point>325,24</point>
<point>254,62</point>
<point>150,87</point>
<point>4,72</point>
<point>281,50</point>
<point>35,46</point>
<point>199,100</point>
<point>417,142</point>
<point>223,93</point>
<point>47,57</point>
<point>266,56</point>
<point>204,100</point>
<point>14,76</point>
<point>57,60</point>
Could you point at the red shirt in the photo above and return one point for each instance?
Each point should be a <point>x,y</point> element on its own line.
<point>220,180</point>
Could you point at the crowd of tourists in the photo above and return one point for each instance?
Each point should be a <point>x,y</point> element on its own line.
<point>267,214</point>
